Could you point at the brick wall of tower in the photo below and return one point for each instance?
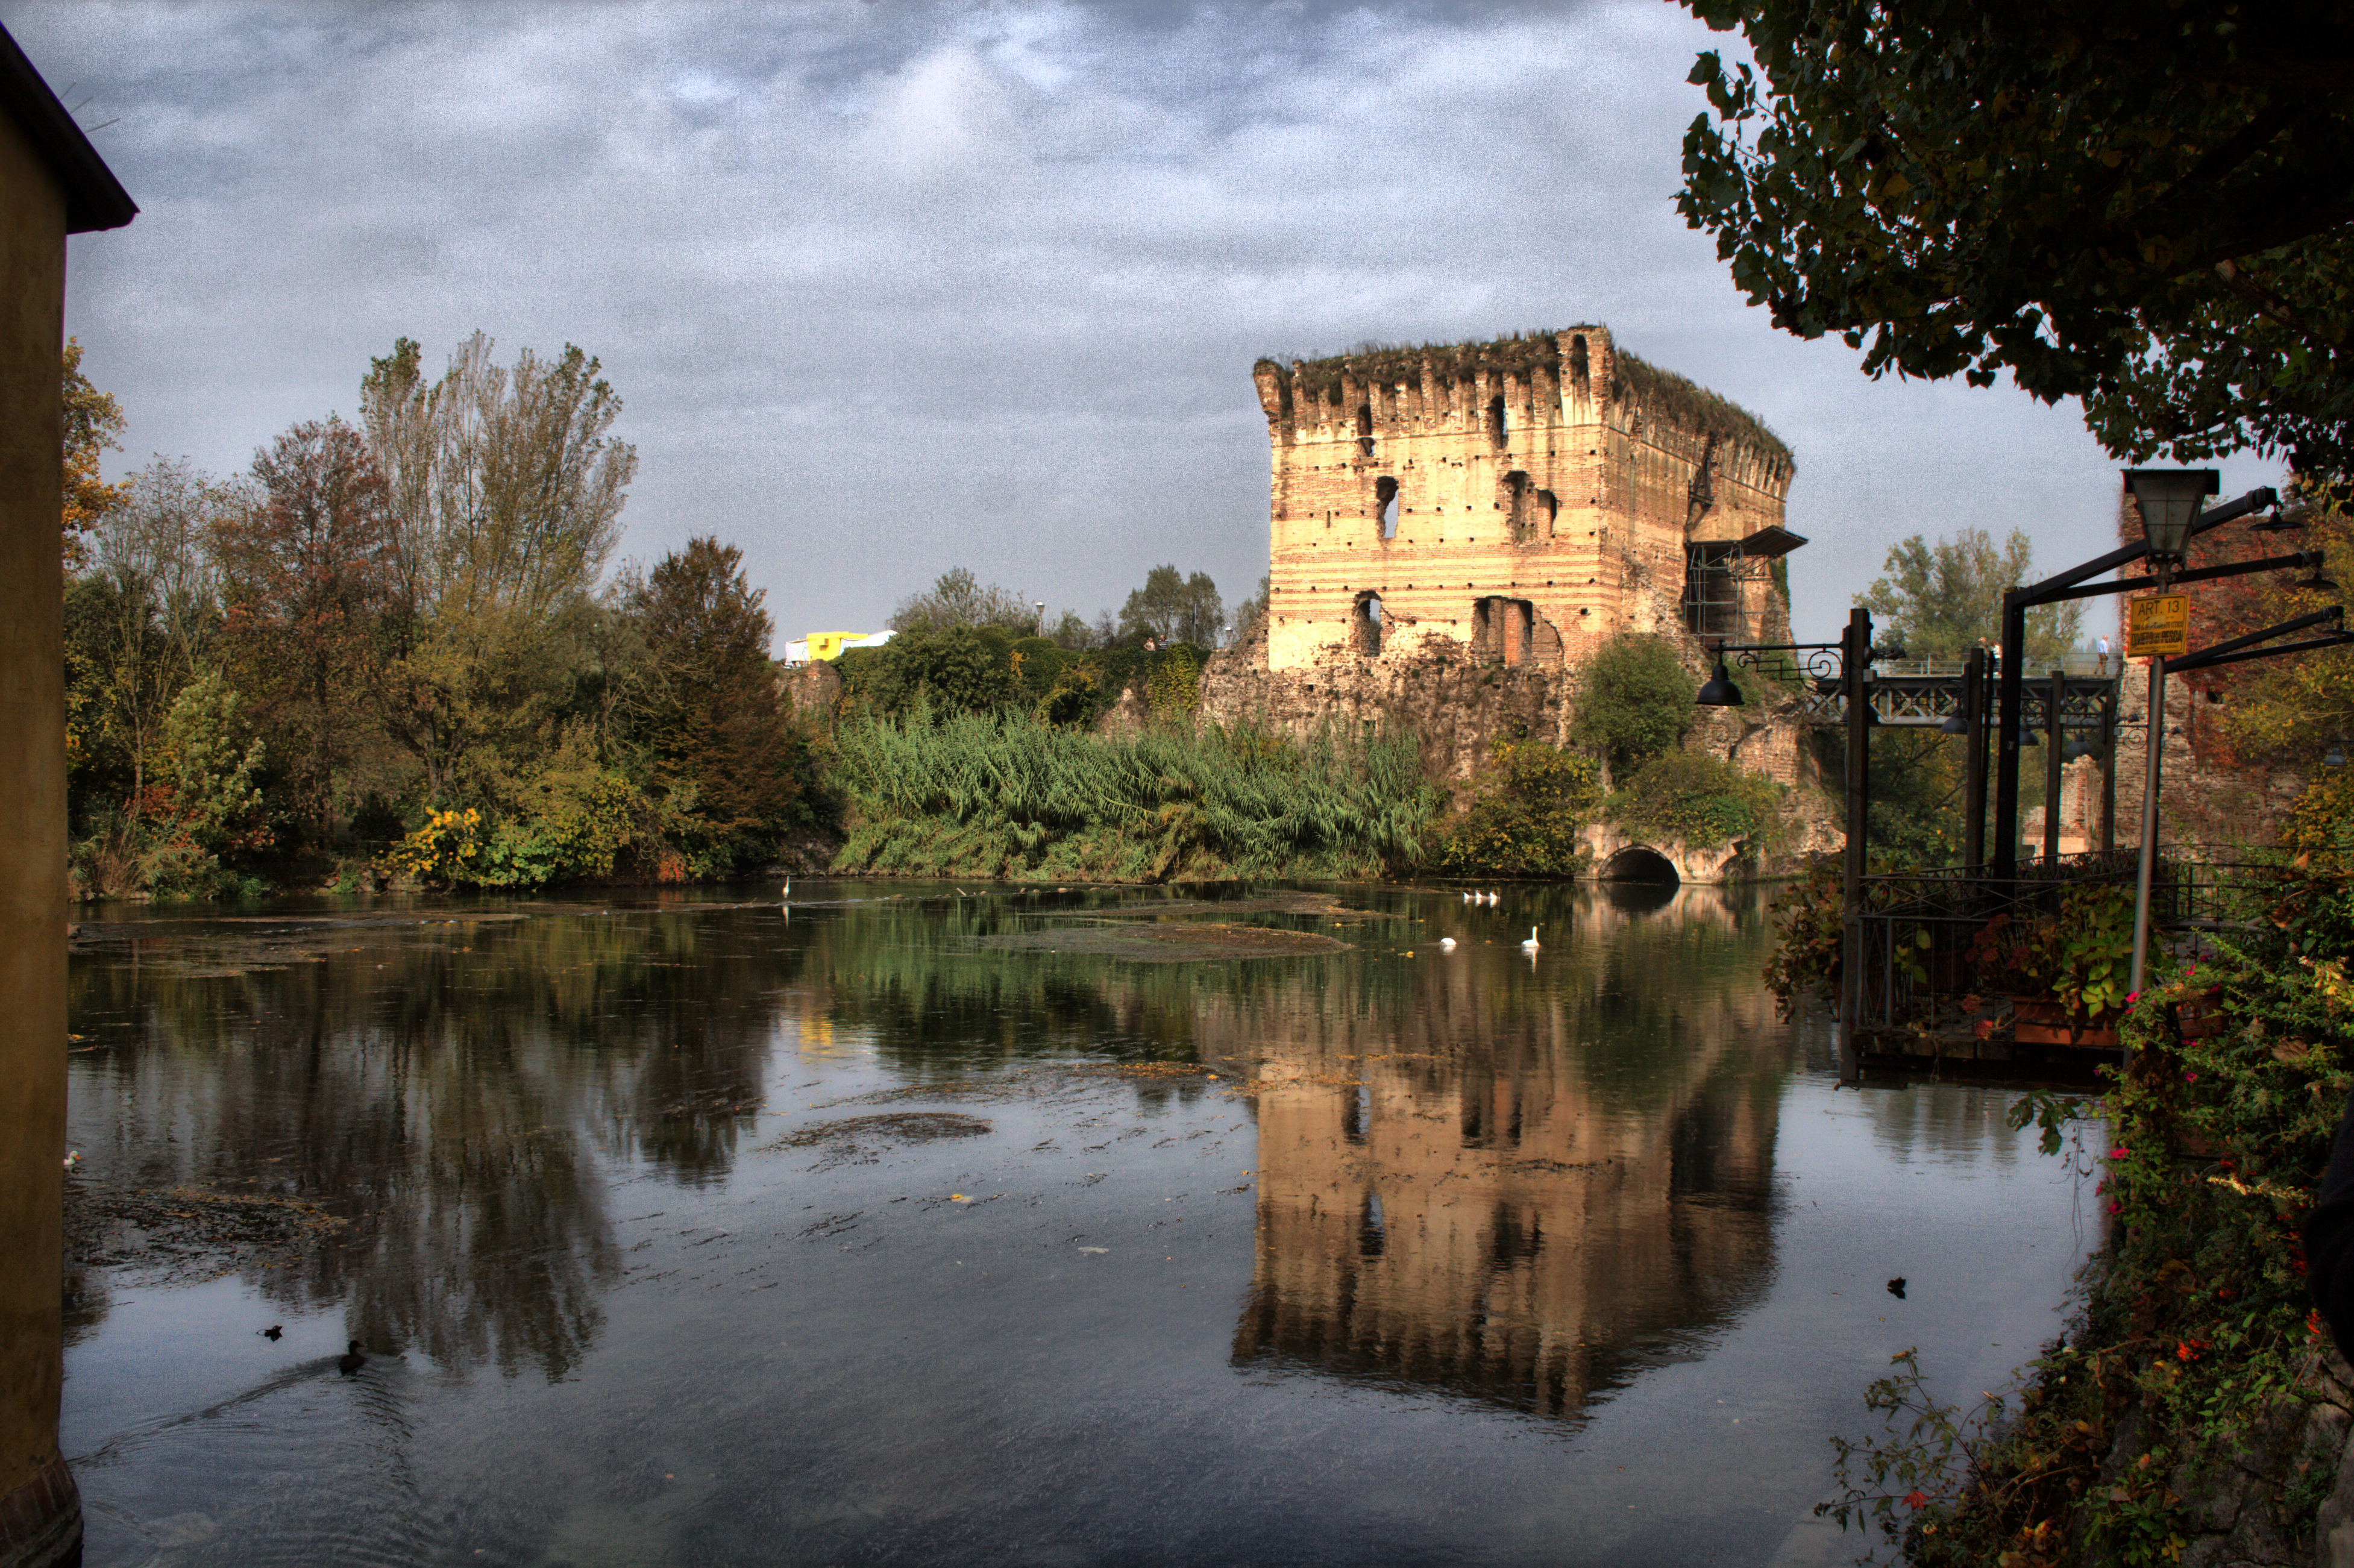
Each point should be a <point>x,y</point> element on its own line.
<point>1578,502</point>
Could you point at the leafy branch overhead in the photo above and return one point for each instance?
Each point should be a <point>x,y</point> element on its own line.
<point>2146,207</point>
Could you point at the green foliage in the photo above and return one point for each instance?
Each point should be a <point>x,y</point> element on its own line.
<point>1702,800</point>
<point>1808,954</point>
<point>2195,1338</point>
<point>1887,1482</point>
<point>1001,795</point>
<point>1526,820</point>
<point>1914,815</point>
<point>1634,702</point>
<point>1173,689</point>
<point>959,602</point>
<point>1940,600</point>
<point>2081,956</point>
<point>506,486</point>
<point>2103,202</point>
<point>717,727</point>
<point>951,670</point>
<point>1171,608</point>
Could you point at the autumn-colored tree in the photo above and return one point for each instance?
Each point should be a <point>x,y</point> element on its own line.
<point>305,571</point>
<point>93,420</point>
<point>2270,711</point>
<point>717,724</point>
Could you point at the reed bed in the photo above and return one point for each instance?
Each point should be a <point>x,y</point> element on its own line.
<point>1005,797</point>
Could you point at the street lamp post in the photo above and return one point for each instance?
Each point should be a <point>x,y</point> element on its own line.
<point>1855,654</point>
<point>2169,501</point>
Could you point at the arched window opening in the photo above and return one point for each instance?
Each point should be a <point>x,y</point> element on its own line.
<point>1548,510</point>
<point>1365,429</point>
<point>1385,497</point>
<point>1367,624</point>
<point>1580,381</point>
<point>1495,420</point>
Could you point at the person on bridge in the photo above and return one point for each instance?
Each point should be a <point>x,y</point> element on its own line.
<point>2104,668</point>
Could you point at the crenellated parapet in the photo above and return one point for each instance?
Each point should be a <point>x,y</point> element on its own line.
<point>1520,499</point>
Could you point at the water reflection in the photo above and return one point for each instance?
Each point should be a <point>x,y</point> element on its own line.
<point>1509,1178</point>
<point>446,1085</point>
<point>1510,1190</point>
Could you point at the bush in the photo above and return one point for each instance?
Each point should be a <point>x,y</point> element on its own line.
<point>1634,702</point>
<point>1703,800</point>
<point>1533,804</point>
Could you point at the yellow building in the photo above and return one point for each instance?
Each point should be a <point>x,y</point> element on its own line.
<point>825,645</point>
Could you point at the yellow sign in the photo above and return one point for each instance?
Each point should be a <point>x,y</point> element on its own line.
<point>2158,623</point>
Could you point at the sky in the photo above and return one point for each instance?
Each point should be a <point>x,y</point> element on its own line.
<point>888,287</point>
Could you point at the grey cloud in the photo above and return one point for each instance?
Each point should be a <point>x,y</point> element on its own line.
<point>892,288</point>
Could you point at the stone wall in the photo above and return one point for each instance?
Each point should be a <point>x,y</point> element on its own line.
<point>1458,707</point>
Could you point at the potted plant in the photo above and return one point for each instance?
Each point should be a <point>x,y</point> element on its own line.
<point>2066,974</point>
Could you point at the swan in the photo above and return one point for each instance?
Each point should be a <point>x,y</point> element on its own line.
<point>789,889</point>
<point>1468,897</point>
<point>1531,945</point>
<point>1491,896</point>
<point>1445,944</point>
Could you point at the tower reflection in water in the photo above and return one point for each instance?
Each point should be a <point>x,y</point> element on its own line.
<point>1516,1191</point>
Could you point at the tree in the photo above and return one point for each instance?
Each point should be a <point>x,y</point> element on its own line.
<point>1939,600</point>
<point>1251,611</point>
<point>307,573</point>
<point>1634,702</point>
<point>506,487</point>
<point>718,727</point>
<point>1173,609</point>
<point>958,600</point>
<point>955,669</point>
<point>145,611</point>
<point>2291,709</point>
<point>94,421</point>
<point>505,491</point>
<point>2151,207</point>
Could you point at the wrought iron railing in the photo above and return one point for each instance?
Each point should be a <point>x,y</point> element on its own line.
<point>1918,927</point>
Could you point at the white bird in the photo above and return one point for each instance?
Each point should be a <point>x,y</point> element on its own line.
<point>788,888</point>
<point>1491,896</point>
<point>1446,944</point>
<point>1531,945</point>
<point>1467,899</point>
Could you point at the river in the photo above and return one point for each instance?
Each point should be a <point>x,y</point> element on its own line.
<point>911,1224</point>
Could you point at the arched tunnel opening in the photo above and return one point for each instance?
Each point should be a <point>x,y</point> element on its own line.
<point>1636,863</point>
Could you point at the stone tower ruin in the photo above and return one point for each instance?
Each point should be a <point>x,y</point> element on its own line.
<point>1518,500</point>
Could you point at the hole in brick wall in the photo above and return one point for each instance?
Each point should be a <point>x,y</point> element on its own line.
<point>1495,420</point>
<point>1503,629</point>
<point>1366,624</point>
<point>1548,510</point>
<point>1385,495</point>
<point>1520,497</point>
<point>1365,429</point>
<point>1580,380</point>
